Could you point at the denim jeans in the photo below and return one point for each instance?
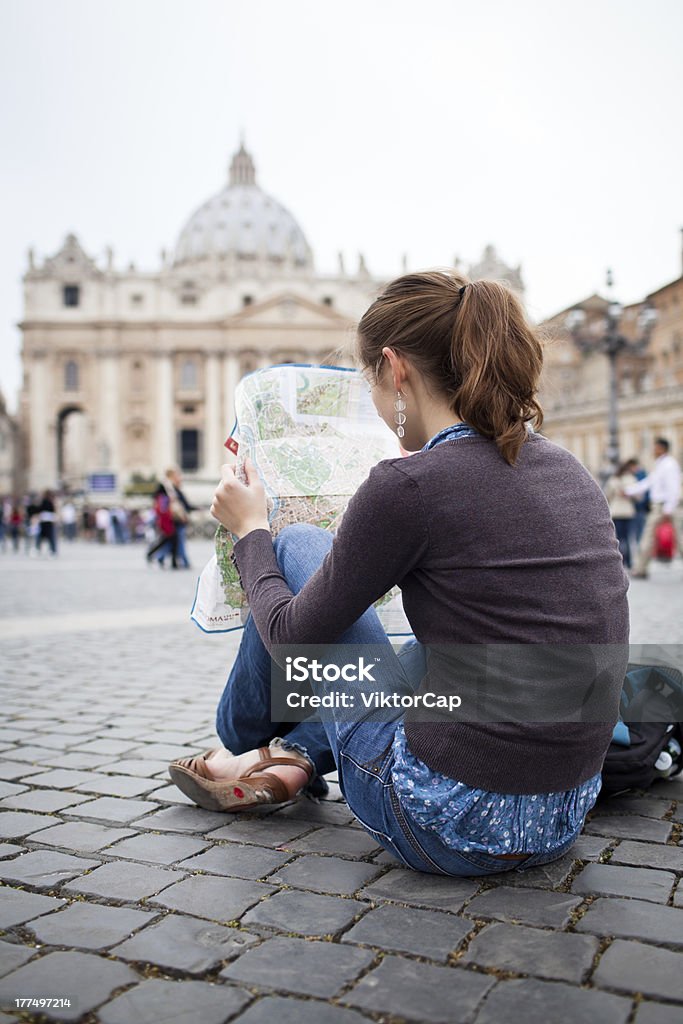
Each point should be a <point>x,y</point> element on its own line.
<point>361,751</point>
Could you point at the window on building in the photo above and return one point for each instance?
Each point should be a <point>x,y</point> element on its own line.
<point>328,300</point>
<point>137,299</point>
<point>188,300</point>
<point>189,410</point>
<point>247,300</point>
<point>71,295</point>
<point>137,376</point>
<point>71,375</point>
<point>188,375</point>
<point>188,444</point>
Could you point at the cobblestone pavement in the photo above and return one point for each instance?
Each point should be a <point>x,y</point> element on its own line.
<point>139,908</point>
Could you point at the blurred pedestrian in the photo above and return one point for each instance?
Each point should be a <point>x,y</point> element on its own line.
<point>103,525</point>
<point>166,530</point>
<point>47,523</point>
<point>180,510</point>
<point>641,502</point>
<point>68,519</point>
<point>622,508</point>
<point>15,521</point>
<point>664,484</point>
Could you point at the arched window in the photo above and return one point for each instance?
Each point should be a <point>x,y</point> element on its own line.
<point>137,375</point>
<point>188,375</point>
<point>71,375</point>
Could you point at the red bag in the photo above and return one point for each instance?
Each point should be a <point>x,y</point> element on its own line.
<point>665,542</point>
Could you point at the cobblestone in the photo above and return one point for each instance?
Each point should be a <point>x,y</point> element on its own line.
<point>292,915</point>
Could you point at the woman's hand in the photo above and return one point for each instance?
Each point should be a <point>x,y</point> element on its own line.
<point>239,507</point>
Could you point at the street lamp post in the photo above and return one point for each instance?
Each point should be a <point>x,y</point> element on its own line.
<point>603,335</point>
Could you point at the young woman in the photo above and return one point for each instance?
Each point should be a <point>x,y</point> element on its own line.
<point>495,536</point>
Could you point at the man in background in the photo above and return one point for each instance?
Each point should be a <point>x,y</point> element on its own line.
<point>664,484</point>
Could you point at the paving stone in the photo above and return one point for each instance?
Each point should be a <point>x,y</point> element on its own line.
<point>82,836</point>
<point>184,944</point>
<point>171,1002</point>
<point>528,906</point>
<point>432,891</point>
<point>657,1013</point>
<point>420,992</point>
<point>54,740</point>
<point>89,925</point>
<point>219,899</point>
<point>13,956</point>
<point>409,930</point>
<point>304,912</point>
<point>44,869</point>
<point>678,897</point>
<point>271,832</point>
<point>134,766</point>
<point>646,806</point>
<point>62,778</point>
<point>288,1010</point>
<point>17,769</point>
<point>17,906</point>
<point>9,850</point>
<point>545,876</point>
<point>76,759</point>
<point>118,785</point>
<point>629,827</point>
<point>161,751</point>
<point>105,746</point>
<point>84,979</point>
<point>343,841</point>
<point>121,880</point>
<point>183,819</point>
<point>545,1002</point>
<point>635,967</point>
<point>33,754</point>
<point>637,883</point>
<point>326,874</point>
<point>514,947</point>
<point>170,795</point>
<point>237,861</point>
<point>11,789</point>
<point>14,824</point>
<point>634,919</point>
<point>324,812</point>
<point>649,855</point>
<point>158,849</point>
<point>46,800</point>
<point>589,847</point>
<point>297,965</point>
<point>110,808</point>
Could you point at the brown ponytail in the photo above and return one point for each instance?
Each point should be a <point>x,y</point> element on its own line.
<point>471,341</point>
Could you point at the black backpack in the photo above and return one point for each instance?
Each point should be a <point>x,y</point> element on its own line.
<point>651,721</point>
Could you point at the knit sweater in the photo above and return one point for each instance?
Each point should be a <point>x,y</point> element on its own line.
<point>485,553</point>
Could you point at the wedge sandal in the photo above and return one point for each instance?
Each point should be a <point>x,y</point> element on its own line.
<point>192,777</point>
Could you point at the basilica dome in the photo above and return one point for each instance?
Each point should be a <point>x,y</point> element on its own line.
<point>243,223</point>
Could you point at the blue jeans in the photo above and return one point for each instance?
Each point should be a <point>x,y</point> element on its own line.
<point>361,751</point>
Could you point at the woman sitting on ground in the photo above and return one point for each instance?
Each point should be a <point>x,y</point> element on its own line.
<point>495,536</point>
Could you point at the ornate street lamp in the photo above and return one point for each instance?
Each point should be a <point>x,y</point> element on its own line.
<point>602,334</point>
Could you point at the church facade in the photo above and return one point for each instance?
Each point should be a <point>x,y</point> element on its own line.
<point>127,372</point>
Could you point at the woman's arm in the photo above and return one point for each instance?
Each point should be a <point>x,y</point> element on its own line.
<point>382,536</point>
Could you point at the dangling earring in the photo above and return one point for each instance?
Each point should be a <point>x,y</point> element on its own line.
<point>399,413</point>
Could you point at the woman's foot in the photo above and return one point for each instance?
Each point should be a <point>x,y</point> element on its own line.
<point>222,765</point>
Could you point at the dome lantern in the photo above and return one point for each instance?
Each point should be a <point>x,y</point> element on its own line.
<point>242,169</point>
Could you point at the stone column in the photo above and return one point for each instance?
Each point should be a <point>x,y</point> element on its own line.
<point>164,450</point>
<point>43,432</point>
<point>215,431</point>
<point>109,426</point>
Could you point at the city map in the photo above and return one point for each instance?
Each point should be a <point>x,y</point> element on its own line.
<point>314,435</point>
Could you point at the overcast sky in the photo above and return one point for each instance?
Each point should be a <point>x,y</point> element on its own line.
<point>552,130</point>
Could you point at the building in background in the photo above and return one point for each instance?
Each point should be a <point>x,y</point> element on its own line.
<point>574,390</point>
<point>127,372</point>
<point>9,452</point>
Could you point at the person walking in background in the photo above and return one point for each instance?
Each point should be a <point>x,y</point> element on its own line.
<point>47,523</point>
<point>15,521</point>
<point>31,509</point>
<point>68,518</point>
<point>641,503</point>
<point>166,530</point>
<point>622,509</point>
<point>180,510</point>
<point>664,485</point>
<point>102,525</point>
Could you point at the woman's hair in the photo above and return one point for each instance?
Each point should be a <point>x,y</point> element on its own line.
<point>625,467</point>
<point>471,342</point>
